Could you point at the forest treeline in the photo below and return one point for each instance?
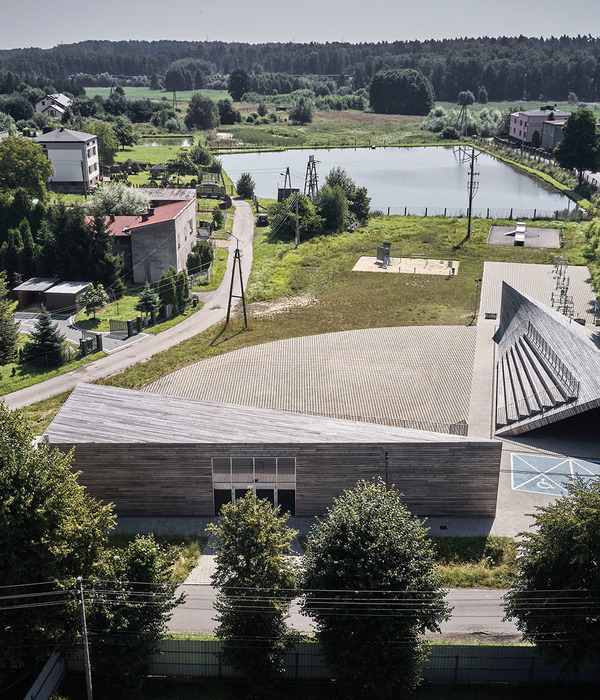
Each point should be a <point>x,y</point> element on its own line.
<point>509,68</point>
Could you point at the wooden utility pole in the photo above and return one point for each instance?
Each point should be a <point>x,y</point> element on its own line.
<point>473,187</point>
<point>297,223</point>
<point>84,639</point>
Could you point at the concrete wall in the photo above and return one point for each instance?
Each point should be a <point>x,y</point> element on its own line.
<point>71,163</point>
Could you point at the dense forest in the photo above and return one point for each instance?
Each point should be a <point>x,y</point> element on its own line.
<point>509,68</point>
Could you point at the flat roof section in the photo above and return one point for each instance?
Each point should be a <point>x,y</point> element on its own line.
<point>534,237</point>
<point>537,281</point>
<point>69,288</point>
<point>418,377</point>
<point>108,415</point>
<point>37,284</point>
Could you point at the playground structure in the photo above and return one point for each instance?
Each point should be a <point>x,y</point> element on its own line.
<point>417,264</point>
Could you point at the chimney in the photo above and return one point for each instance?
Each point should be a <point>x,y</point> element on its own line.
<point>144,217</point>
<point>47,129</point>
<point>151,211</point>
<point>62,128</point>
<point>112,218</point>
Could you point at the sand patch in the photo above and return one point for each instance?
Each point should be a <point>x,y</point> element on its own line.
<point>409,266</point>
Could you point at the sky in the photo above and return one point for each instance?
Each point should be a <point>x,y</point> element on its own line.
<point>46,23</point>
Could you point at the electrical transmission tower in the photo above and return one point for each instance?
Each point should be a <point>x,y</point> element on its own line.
<point>473,181</point>
<point>561,300</point>
<point>311,182</point>
<point>461,121</point>
<point>237,261</point>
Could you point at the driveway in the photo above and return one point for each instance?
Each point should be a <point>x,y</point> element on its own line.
<point>213,312</point>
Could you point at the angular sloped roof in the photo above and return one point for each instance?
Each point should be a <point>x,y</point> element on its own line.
<point>63,135</point>
<point>571,349</point>
<point>106,415</point>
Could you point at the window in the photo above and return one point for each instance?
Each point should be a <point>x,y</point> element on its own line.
<point>273,478</point>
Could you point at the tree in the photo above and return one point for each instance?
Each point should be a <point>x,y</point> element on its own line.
<point>401,91</point>
<point>124,132</point>
<point>238,83</point>
<point>283,219</point>
<point>228,114</point>
<point>23,164</point>
<point>200,154</point>
<point>465,97</point>
<point>131,617</point>
<point>50,530</point>
<point>554,600</point>
<point>118,199</point>
<point>155,82</point>
<point>245,186</point>
<point>332,205</point>
<point>167,291</point>
<point>46,345</point>
<point>302,111</point>
<point>358,200</point>
<point>148,300</point>
<point>482,96</point>
<point>580,148</point>
<point>108,145</point>
<point>94,298</point>
<point>182,289</point>
<point>218,217</point>
<point>372,591</point>
<point>572,99</point>
<point>256,578</point>
<point>202,113</point>
<point>202,254</point>
<point>9,328</point>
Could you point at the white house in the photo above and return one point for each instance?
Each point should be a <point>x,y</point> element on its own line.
<point>74,157</point>
<point>53,106</point>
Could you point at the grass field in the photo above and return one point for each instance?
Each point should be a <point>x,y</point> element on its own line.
<point>143,93</point>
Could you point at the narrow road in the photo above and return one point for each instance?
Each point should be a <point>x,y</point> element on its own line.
<point>477,614</point>
<point>213,312</point>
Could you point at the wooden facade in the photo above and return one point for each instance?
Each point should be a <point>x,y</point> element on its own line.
<point>442,475</point>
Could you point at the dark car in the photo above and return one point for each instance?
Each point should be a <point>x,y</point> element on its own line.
<point>262,220</point>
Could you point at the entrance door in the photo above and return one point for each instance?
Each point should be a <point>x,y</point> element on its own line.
<point>287,500</point>
<point>222,496</point>
<point>269,494</point>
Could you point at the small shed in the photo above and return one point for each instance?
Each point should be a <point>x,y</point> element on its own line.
<point>32,291</point>
<point>64,297</point>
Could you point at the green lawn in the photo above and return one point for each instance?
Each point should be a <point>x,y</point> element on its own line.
<point>143,93</point>
<point>217,272</point>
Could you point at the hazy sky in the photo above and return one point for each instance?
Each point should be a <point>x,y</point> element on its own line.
<point>46,23</point>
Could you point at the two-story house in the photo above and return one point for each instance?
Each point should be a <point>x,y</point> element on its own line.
<point>523,125</point>
<point>74,157</point>
<point>53,106</point>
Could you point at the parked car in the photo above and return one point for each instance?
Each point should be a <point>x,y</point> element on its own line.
<point>262,220</point>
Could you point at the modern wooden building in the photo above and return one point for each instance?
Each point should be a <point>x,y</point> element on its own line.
<point>155,455</point>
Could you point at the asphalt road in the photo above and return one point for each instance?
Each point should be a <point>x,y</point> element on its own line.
<point>213,312</point>
<point>477,614</point>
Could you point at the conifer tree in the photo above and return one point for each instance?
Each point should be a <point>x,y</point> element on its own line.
<point>45,346</point>
<point>9,328</point>
<point>148,300</point>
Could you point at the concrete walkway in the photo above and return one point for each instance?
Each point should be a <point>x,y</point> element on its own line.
<point>214,311</point>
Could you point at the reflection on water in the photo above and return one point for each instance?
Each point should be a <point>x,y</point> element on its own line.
<point>416,178</point>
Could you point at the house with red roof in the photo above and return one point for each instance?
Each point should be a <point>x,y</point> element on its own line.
<point>152,242</point>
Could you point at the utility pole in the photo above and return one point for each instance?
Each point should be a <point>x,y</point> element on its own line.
<point>84,639</point>
<point>297,223</point>
<point>237,260</point>
<point>472,185</point>
<point>311,182</point>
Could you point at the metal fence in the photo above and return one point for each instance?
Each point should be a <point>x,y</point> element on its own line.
<point>483,213</point>
<point>446,664</point>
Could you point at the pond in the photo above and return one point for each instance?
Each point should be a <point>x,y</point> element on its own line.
<point>179,142</point>
<point>409,179</point>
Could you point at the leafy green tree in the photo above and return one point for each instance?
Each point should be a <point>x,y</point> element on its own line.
<point>50,530</point>
<point>228,114</point>
<point>302,111</point>
<point>23,164</point>
<point>124,132</point>
<point>94,298</point>
<point>167,291</point>
<point>358,200</point>
<point>283,219</point>
<point>238,83</point>
<point>372,590</point>
<point>401,91</point>
<point>200,154</point>
<point>117,198</point>
<point>245,186</point>
<point>108,144</point>
<point>130,618</point>
<point>465,97</point>
<point>9,328</point>
<point>332,206</point>
<point>46,345</point>
<point>554,600</point>
<point>482,96</point>
<point>218,218</point>
<point>256,578</point>
<point>182,289</point>
<point>580,148</point>
<point>202,254</point>
<point>262,110</point>
<point>202,113</point>
<point>148,300</point>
